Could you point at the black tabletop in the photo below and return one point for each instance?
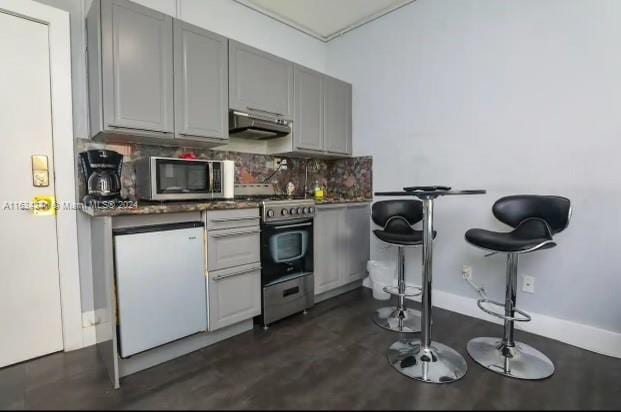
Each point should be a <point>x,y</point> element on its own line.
<point>432,193</point>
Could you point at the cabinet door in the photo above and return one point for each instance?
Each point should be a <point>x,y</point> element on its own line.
<point>234,296</point>
<point>137,68</point>
<point>328,248</point>
<point>234,247</point>
<point>201,83</point>
<point>259,81</point>
<point>337,116</point>
<point>357,234</point>
<point>307,109</point>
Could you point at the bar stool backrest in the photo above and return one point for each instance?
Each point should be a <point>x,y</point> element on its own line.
<point>397,215</point>
<point>513,210</point>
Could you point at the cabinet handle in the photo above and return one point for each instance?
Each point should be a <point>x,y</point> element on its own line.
<point>254,109</point>
<point>230,234</point>
<point>241,272</point>
<point>114,126</point>
<point>234,219</point>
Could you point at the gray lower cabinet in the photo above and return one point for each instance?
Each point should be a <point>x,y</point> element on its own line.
<point>357,232</point>
<point>130,69</point>
<point>233,266</point>
<point>328,248</point>
<point>234,295</point>
<point>201,83</point>
<point>337,116</point>
<point>342,242</point>
<point>307,109</point>
<point>259,81</point>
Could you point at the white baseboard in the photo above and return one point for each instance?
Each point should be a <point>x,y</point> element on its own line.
<point>89,320</point>
<point>597,340</point>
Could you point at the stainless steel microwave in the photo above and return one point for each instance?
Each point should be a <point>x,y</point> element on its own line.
<point>168,178</point>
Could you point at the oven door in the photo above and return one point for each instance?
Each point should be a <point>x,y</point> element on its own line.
<point>286,249</point>
<point>181,179</point>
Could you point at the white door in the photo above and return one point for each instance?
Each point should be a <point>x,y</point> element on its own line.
<point>30,309</point>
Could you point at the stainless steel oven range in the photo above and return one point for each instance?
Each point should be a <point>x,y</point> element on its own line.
<point>286,258</point>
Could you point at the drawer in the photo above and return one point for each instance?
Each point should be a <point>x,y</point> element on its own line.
<point>229,219</point>
<point>234,295</point>
<point>288,297</point>
<point>233,247</point>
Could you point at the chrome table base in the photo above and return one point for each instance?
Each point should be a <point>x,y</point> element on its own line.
<point>520,361</point>
<point>437,364</point>
<point>398,320</point>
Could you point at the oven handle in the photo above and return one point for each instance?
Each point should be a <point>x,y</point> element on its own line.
<point>292,226</point>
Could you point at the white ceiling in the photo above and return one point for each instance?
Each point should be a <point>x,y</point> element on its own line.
<point>324,19</point>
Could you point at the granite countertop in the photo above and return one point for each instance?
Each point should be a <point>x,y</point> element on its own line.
<point>340,200</point>
<point>147,208</point>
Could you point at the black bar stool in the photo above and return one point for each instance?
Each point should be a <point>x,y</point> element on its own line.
<point>397,217</point>
<point>535,219</point>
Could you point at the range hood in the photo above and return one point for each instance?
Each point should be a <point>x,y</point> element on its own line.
<point>255,126</point>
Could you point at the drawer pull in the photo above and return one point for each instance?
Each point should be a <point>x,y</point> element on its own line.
<point>231,234</point>
<point>234,219</point>
<point>290,291</point>
<point>241,272</point>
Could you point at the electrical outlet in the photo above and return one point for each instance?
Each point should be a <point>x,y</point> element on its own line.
<point>466,271</point>
<point>528,284</point>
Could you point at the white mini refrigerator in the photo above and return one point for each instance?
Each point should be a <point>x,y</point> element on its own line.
<point>161,288</point>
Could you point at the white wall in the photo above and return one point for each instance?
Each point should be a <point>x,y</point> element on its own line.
<point>509,96</point>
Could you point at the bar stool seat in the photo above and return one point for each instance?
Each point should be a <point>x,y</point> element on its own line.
<point>529,234</point>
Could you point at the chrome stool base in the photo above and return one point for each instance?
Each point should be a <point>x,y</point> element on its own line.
<point>520,361</point>
<point>438,364</point>
<point>398,320</point>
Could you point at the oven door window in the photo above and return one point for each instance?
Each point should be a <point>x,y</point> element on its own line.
<point>179,176</point>
<point>288,246</point>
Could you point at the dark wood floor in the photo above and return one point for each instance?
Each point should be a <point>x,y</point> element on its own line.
<point>333,358</point>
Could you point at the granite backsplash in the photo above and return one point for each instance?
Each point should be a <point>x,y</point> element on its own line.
<point>343,178</point>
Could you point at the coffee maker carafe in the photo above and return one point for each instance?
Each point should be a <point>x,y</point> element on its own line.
<point>102,174</point>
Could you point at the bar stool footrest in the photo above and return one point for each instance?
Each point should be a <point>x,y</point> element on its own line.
<point>410,291</point>
<point>524,317</point>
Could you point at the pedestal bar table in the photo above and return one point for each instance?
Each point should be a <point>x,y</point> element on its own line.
<point>424,359</point>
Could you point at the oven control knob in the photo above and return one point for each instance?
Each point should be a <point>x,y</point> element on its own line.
<point>305,210</point>
<point>293,211</point>
<point>300,210</point>
<point>311,209</point>
<point>284,212</point>
<point>270,213</point>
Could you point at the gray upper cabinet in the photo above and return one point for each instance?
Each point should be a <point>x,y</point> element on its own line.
<point>130,55</point>
<point>307,109</point>
<point>259,81</point>
<point>337,116</point>
<point>201,83</point>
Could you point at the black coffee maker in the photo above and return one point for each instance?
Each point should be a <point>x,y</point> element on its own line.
<point>102,175</point>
